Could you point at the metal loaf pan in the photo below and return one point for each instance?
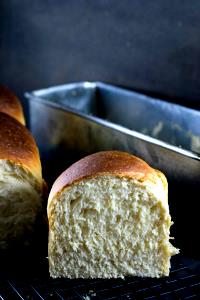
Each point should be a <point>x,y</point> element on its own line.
<point>73,120</point>
<point>82,118</point>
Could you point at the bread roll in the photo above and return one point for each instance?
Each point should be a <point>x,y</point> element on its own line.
<point>109,217</point>
<point>21,184</point>
<point>9,104</point>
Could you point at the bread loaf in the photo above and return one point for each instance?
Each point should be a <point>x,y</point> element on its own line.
<point>109,217</point>
<point>21,184</point>
<point>9,104</point>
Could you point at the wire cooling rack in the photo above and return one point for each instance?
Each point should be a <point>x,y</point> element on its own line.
<point>33,283</point>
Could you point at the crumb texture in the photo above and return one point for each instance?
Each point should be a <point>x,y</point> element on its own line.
<point>20,202</point>
<point>109,227</point>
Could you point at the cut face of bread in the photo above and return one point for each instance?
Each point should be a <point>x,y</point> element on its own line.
<point>21,183</point>
<point>20,203</point>
<point>110,226</point>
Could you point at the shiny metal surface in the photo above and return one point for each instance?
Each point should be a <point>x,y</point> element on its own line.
<point>87,117</point>
<point>73,120</point>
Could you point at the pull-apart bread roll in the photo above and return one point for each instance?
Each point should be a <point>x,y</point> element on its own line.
<point>109,217</point>
<point>21,184</point>
<point>10,105</point>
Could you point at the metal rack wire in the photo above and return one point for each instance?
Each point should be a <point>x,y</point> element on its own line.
<point>183,283</point>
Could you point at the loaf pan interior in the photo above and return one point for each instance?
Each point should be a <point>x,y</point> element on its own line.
<point>171,123</point>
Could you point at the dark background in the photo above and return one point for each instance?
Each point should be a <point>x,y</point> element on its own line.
<point>150,46</point>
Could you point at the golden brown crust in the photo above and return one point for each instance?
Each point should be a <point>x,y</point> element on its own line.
<point>18,145</point>
<point>10,104</point>
<point>103,163</point>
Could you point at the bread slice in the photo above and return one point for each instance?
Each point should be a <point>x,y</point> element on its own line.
<point>21,183</point>
<point>109,217</point>
<point>10,104</point>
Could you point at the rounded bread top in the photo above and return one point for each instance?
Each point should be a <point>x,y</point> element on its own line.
<point>17,145</point>
<point>116,163</point>
<point>10,104</point>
